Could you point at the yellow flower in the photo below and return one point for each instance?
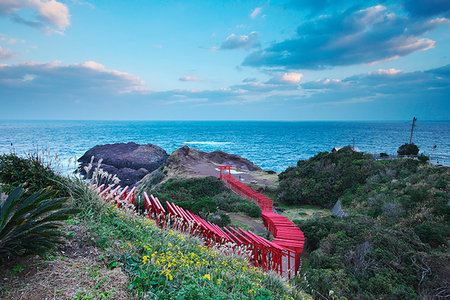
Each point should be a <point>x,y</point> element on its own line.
<point>169,244</point>
<point>145,258</point>
<point>207,276</point>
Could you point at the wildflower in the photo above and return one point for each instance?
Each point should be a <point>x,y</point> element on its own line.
<point>207,276</point>
<point>145,258</point>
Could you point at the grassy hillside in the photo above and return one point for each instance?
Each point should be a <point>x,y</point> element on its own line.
<point>114,254</point>
<point>394,244</point>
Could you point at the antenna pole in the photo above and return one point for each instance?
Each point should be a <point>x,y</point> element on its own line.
<point>412,129</point>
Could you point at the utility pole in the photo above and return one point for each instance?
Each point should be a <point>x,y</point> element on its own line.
<point>412,129</point>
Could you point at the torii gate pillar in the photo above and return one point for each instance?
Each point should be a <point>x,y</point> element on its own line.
<point>223,170</point>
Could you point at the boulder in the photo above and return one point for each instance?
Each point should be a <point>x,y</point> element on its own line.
<point>129,161</point>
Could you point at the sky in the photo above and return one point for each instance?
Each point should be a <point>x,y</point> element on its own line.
<point>290,60</point>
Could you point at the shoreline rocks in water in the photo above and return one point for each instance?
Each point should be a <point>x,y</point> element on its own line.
<point>130,162</point>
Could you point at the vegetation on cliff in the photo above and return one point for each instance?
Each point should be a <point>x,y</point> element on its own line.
<point>157,264</point>
<point>395,241</point>
<point>322,179</point>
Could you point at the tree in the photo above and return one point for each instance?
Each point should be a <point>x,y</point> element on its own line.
<point>408,149</point>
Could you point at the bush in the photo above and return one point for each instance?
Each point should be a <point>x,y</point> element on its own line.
<point>408,149</point>
<point>15,170</point>
<point>324,178</point>
<point>29,224</point>
<point>250,209</point>
<point>360,258</point>
<point>233,203</point>
<point>220,219</point>
<point>434,234</point>
<point>203,196</point>
<point>423,158</point>
<point>384,155</point>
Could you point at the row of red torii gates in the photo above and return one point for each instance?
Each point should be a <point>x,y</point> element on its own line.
<point>286,234</point>
<point>281,255</point>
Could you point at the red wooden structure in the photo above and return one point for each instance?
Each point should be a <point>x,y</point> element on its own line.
<point>281,255</point>
<point>286,233</point>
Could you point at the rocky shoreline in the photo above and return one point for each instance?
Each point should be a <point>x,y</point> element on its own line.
<point>133,163</point>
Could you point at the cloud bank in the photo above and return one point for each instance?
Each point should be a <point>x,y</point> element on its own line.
<point>354,36</point>
<point>85,79</point>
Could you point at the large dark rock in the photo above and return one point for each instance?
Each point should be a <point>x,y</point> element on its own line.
<point>130,161</point>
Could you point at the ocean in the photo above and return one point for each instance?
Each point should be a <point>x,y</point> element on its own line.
<point>270,145</point>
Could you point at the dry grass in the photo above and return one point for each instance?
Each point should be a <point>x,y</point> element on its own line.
<point>74,271</point>
<point>303,212</point>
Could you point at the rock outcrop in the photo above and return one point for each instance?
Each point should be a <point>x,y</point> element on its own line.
<point>188,162</point>
<point>194,161</point>
<point>129,161</point>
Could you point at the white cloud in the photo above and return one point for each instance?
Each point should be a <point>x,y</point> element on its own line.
<point>286,78</point>
<point>50,12</point>
<point>88,78</point>
<point>256,12</point>
<point>241,42</point>
<point>53,12</point>
<point>188,78</point>
<point>390,71</point>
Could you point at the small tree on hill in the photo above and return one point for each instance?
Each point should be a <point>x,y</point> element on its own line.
<point>408,149</point>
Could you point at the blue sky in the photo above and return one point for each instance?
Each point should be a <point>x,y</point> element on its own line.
<point>225,60</point>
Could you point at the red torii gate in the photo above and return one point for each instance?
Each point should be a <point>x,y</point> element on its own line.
<point>275,255</point>
<point>222,170</point>
<point>287,234</point>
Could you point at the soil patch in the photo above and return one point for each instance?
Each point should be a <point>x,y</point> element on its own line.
<point>74,270</point>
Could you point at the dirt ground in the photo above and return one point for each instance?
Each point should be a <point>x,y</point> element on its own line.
<point>75,270</point>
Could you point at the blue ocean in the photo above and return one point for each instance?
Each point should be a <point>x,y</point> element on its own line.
<point>270,145</point>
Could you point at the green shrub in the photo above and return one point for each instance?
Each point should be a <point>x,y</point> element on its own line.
<point>203,196</point>
<point>219,219</point>
<point>434,234</point>
<point>29,224</point>
<point>324,178</point>
<point>249,208</point>
<point>423,158</point>
<point>361,258</point>
<point>408,149</point>
<point>15,170</point>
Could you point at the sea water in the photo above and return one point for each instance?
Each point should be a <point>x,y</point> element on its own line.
<point>270,145</point>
